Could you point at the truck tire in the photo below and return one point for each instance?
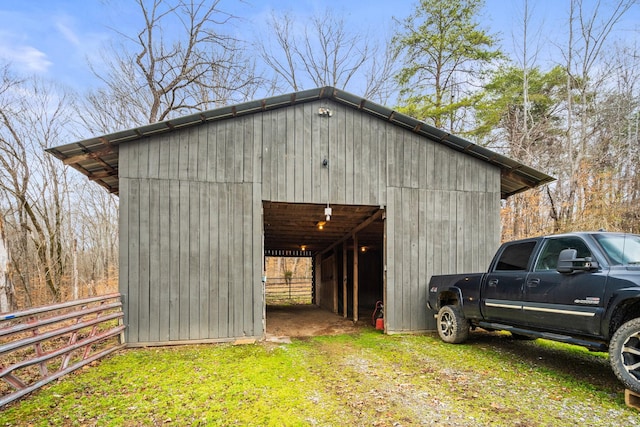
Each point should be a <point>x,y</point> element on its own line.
<point>453,327</point>
<point>624,354</point>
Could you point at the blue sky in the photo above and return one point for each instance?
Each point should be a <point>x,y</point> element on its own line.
<point>56,38</point>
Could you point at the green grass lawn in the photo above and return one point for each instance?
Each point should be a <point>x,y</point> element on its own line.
<point>367,379</point>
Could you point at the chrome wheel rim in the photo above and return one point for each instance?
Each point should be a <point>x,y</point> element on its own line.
<point>446,324</point>
<point>631,355</point>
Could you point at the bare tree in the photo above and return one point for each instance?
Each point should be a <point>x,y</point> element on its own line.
<point>181,61</point>
<point>608,184</point>
<point>33,185</point>
<point>575,121</point>
<point>527,131</point>
<point>97,233</point>
<point>43,211</point>
<point>12,159</point>
<point>323,52</point>
<point>589,33</point>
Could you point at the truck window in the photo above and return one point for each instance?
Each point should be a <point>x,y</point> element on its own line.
<point>548,259</point>
<point>621,248</point>
<point>515,257</point>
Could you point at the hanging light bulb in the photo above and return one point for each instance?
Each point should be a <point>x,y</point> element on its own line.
<point>327,213</point>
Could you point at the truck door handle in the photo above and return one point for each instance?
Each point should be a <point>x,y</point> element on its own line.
<point>493,283</point>
<point>533,283</point>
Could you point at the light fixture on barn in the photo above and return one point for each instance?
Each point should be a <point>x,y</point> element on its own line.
<point>327,210</point>
<point>325,111</point>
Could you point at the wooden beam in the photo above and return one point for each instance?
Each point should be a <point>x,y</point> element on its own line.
<point>345,299</point>
<point>334,267</point>
<point>355,278</point>
<point>93,155</point>
<point>384,268</point>
<point>364,224</point>
<point>101,175</point>
<point>316,294</point>
<point>517,178</point>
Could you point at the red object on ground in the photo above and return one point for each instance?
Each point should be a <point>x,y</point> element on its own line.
<point>380,324</point>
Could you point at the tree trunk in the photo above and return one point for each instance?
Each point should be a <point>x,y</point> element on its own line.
<point>5,288</point>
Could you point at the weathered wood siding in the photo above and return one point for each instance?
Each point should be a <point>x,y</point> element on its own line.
<point>442,206</point>
<point>191,235</point>
<point>442,218</point>
<point>297,139</point>
<point>191,214</point>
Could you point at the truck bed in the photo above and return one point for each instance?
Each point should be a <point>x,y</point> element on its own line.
<point>465,287</point>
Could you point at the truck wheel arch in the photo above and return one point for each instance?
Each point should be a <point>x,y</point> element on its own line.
<point>452,296</point>
<point>626,311</point>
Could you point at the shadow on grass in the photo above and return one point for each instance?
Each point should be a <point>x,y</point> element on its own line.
<point>567,360</point>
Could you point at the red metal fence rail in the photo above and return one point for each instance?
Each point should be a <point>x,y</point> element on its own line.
<point>42,344</point>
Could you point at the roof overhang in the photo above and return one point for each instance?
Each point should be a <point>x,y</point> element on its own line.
<point>97,157</point>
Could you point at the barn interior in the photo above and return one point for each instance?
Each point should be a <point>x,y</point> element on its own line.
<point>346,247</point>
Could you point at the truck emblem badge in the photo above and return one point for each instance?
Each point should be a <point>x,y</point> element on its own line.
<point>588,300</point>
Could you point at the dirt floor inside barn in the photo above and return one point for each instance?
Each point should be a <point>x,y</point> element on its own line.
<point>295,321</point>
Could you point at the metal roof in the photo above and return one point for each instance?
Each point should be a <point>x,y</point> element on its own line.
<point>97,157</point>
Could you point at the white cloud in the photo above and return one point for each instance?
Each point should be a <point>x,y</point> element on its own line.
<point>26,58</point>
<point>65,29</point>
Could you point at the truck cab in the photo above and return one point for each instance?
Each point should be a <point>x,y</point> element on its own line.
<point>524,286</point>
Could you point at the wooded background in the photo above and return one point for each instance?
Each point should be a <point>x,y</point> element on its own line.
<point>576,118</point>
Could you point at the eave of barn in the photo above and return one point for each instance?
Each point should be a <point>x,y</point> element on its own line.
<point>97,157</point>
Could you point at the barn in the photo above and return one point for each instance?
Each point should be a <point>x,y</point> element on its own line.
<point>380,202</point>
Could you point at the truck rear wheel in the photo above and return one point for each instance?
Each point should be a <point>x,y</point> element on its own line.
<point>624,354</point>
<point>453,327</point>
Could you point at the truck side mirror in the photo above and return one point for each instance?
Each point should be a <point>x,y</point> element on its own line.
<point>568,262</point>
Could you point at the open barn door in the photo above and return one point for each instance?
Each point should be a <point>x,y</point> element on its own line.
<point>345,252</point>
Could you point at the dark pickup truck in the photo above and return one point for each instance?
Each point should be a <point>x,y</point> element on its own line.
<point>578,288</point>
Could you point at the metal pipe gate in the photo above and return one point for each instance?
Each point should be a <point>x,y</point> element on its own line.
<point>42,344</point>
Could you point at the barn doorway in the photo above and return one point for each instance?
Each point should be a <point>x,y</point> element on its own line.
<point>335,265</point>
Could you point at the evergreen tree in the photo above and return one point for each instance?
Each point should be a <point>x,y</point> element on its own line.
<point>443,49</point>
